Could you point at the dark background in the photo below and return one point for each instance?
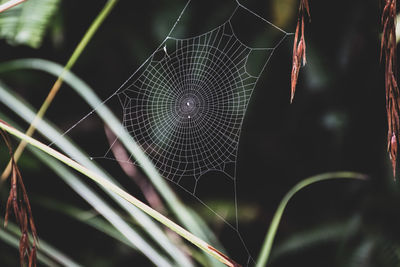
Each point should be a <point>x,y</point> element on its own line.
<point>337,122</point>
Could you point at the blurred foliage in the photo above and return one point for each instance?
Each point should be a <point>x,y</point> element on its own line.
<point>337,122</point>
<point>26,24</point>
<point>284,11</point>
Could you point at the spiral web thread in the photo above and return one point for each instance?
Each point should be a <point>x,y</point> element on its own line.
<point>186,108</point>
<point>185,105</point>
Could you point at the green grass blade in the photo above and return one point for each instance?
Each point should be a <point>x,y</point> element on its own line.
<point>269,239</point>
<point>57,85</point>
<point>180,211</point>
<point>14,242</point>
<point>82,189</point>
<point>52,134</point>
<point>89,217</point>
<point>89,33</point>
<point>46,248</point>
<point>107,212</point>
<point>114,188</point>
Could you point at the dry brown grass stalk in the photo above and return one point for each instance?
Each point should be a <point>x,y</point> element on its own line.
<point>299,46</point>
<point>388,52</point>
<point>18,203</point>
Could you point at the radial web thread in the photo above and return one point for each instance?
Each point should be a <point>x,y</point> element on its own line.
<point>185,105</point>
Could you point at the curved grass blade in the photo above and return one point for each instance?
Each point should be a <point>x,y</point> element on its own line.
<point>47,249</point>
<point>103,182</point>
<point>57,85</point>
<point>88,217</point>
<point>108,213</point>
<point>273,228</point>
<point>181,212</point>
<point>91,218</point>
<point>50,131</point>
<point>14,242</point>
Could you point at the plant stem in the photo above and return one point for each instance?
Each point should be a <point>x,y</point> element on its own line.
<point>269,238</point>
<point>189,219</point>
<point>10,4</point>
<point>117,190</point>
<point>57,85</point>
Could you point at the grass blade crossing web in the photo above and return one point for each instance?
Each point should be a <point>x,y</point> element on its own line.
<point>131,236</point>
<point>112,187</point>
<point>82,189</point>
<point>180,211</point>
<point>57,85</point>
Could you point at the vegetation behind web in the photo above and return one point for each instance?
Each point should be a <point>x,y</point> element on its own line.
<point>336,122</point>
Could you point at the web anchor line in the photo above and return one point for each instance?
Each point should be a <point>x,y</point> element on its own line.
<point>186,106</point>
<point>129,78</point>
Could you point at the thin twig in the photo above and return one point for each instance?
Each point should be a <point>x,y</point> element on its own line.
<point>57,85</point>
<point>10,4</point>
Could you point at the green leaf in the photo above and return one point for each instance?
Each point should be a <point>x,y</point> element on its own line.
<point>26,23</point>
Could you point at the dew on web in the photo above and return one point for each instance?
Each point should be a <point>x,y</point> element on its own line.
<point>186,104</point>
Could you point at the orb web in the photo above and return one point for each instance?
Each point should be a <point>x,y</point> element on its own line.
<point>186,109</point>
<point>186,103</point>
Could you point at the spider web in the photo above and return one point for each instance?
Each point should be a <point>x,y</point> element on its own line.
<point>186,103</point>
<point>186,109</point>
